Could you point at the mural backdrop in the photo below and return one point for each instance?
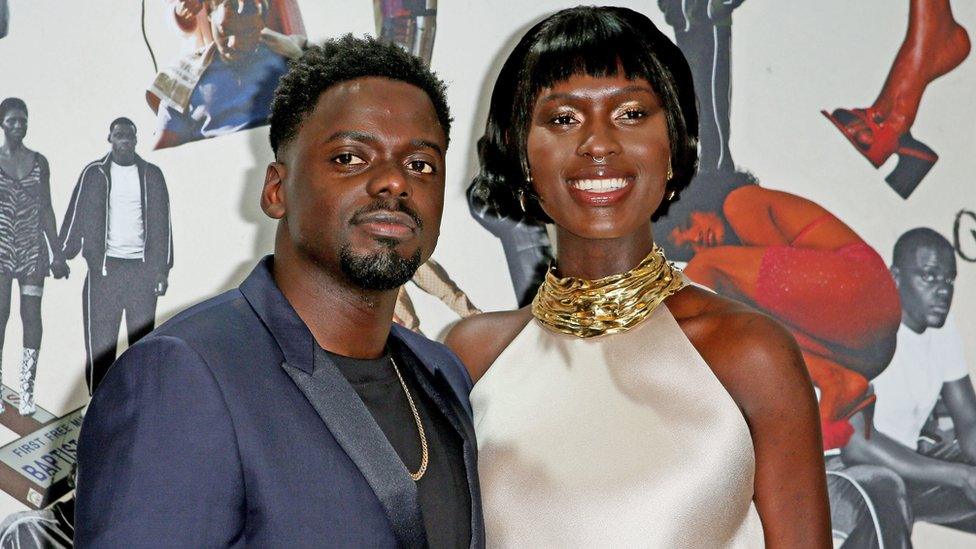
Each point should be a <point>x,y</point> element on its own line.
<point>134,146</point>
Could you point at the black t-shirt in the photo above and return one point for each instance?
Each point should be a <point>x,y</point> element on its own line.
<point>445,501</point>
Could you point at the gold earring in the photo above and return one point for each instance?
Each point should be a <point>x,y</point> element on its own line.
<point>670,174</point>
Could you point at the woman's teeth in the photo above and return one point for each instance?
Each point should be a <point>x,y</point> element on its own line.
<point>599,185</point>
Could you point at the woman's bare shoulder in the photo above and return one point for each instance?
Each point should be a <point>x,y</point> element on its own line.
<point>479,339</point>
<point>753,355</point>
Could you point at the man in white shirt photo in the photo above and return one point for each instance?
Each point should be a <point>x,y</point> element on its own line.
<point>119,220</point>
<point>934,482</point>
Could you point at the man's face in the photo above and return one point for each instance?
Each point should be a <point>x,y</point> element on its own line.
<point>364,189</point>
<point>236,27</point>
<point>925,284</point>
<point>123,140</point>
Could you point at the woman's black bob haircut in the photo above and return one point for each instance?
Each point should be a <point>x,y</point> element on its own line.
<point>597,41</point>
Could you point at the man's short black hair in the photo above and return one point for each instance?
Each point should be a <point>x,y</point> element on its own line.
<point>919,237</point>
<point>121,120</point>
<point>340,60</point>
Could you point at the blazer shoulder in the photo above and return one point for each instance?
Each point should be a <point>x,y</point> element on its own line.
<point>436,355</point>
<point>219,328</point>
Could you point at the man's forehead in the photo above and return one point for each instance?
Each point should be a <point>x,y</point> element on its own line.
<point>376,101</point>
<point>934,257</point>
<point>376,92</point>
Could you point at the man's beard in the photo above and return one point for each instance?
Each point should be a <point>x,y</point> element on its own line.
<point>379,271</point>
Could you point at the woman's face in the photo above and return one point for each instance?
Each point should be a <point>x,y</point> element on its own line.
<point>598,154</point>
<point>14,124</point>
<point>702,230</point>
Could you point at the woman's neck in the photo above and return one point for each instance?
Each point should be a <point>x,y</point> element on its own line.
<point>590,259</point>
<point>12,147</point>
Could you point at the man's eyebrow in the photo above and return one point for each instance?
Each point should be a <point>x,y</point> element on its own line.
<point>353,136</point>
<point>364,137</point>
<point>621,91</point>
<point>427,144</point>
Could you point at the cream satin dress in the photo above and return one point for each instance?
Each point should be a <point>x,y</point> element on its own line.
<point>623,440</point>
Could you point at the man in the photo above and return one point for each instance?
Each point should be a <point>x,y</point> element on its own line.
<point>118,218</point>
<point>226,85</point>
<point>289,412</point>
<point>904,483</point>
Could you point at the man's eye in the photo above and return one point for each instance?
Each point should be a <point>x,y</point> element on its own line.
<point>633,114</point>
<point>929,278</point>
<point>421,166</point>
<point>348,159</point>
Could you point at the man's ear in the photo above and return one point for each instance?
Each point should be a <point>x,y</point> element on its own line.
<point>895,274</point>
<point>273,192</point>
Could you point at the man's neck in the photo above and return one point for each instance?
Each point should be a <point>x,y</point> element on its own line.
<point>123,161</point>
<point>343,319</point>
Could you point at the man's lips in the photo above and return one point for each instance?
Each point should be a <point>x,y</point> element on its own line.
<point>387,223</point>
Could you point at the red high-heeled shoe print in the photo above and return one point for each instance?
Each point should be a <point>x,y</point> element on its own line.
<point>934,45</point>
<point>877,141</point>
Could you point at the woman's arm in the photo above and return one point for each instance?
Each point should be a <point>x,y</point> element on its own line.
<point>771,385</point>
<point>766,217</point>
<point>761,367</point>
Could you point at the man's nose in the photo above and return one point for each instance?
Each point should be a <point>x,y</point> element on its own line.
<point>390,179</point>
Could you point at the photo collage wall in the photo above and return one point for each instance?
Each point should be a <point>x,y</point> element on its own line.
<point>835,194</point>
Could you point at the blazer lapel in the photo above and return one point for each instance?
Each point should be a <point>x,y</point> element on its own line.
<point>433,382</point>
<point>350,422</point>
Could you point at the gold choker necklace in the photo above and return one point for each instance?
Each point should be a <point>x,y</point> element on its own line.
<point>612,304</point>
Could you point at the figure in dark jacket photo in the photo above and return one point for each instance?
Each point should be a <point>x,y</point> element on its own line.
<point>119,220</point>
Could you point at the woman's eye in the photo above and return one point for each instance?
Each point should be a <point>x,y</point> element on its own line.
<point>348,159</point>
<point>563,119</point>
<point>421,166</point>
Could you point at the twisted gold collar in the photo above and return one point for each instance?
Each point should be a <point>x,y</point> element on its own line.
<point>612,304</point>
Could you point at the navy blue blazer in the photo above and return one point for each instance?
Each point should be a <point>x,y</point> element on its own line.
<point>221,428</point>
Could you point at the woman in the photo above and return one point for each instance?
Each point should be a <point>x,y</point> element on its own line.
<point>794,260</point>
<point>27,232</point>
<point>625,407</point>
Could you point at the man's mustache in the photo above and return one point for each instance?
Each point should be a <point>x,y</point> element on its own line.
<point>390,205</point>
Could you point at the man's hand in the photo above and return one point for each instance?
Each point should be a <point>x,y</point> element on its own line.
<point>162,283</point>
<point>966,481</point>
<point>59,268</point>
<point>187,9</point>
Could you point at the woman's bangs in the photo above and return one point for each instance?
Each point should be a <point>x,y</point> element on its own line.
<point>589,54</point>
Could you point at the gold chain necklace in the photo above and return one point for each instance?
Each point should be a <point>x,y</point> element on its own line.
<point>608,305</point>
<point>424,457</point>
